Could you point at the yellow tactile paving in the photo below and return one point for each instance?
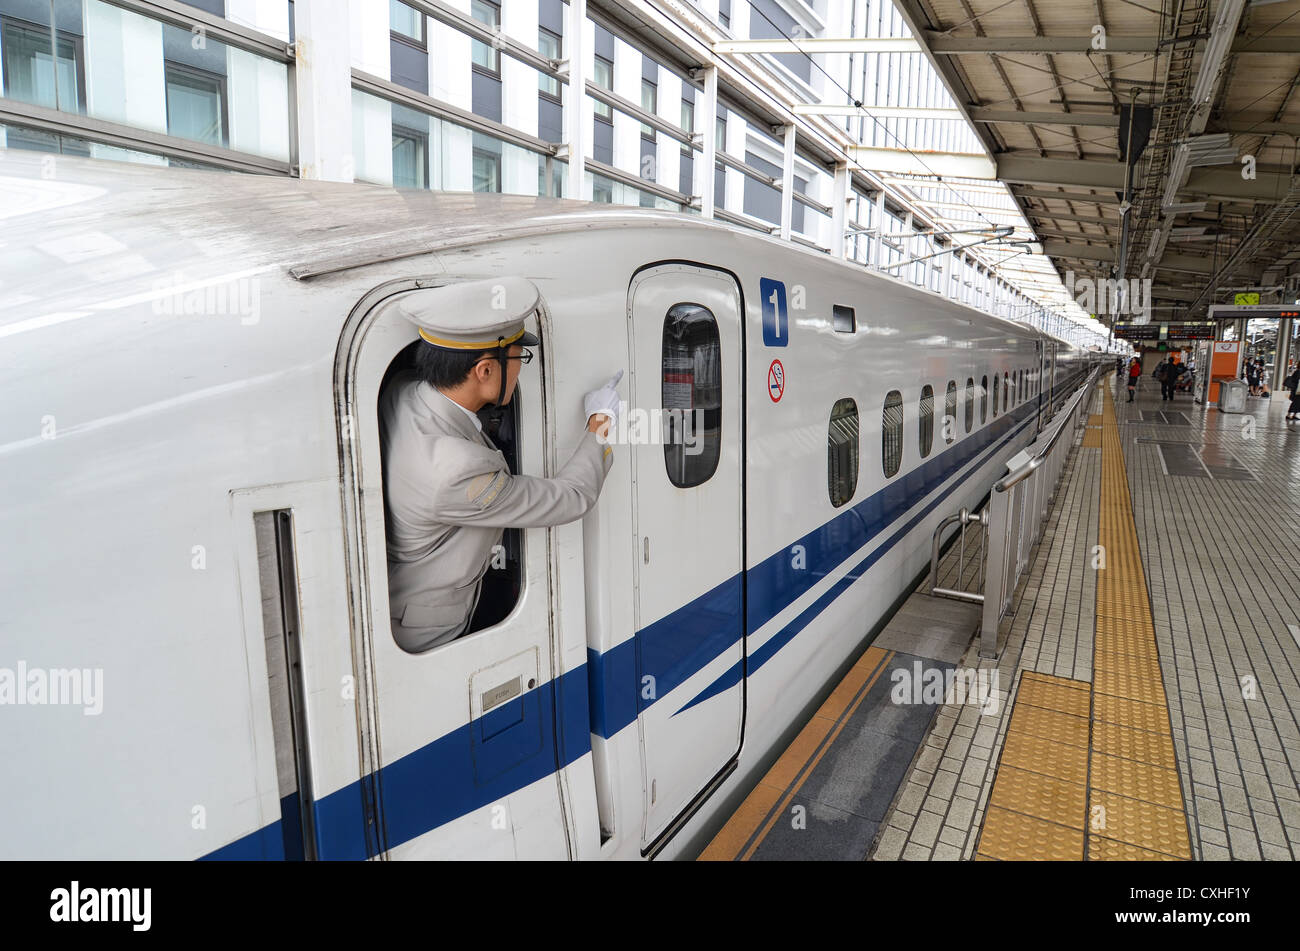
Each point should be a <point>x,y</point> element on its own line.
<point>1151,717</point>
<point>1042,797</point>
<point>1139,823</point>
<point>1116,740</point>
<point>1052,697</point>
<point>1037,755</point>
<point>1095,756</point>
<point>1050,725</point>
<point>1102,849</point>
<point>1011,835</point>
<point>1135,800</point>
<point>1136,780</point>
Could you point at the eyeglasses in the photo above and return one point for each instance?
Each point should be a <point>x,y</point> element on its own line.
<point>524,357</point>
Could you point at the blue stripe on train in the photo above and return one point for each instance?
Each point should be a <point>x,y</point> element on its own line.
<point>606,687</point>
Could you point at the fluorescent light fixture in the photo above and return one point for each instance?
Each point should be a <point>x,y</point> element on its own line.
<point>1185,207</point>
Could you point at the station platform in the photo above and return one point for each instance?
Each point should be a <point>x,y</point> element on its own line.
<point>1145,702</point>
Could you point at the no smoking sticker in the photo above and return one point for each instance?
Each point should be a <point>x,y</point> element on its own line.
<point>776,381</point>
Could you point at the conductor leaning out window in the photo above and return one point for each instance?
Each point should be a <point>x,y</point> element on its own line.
<point>449,491</point>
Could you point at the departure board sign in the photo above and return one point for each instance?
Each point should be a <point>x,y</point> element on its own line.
<point>1255,312</point>
<point>1137,331</point>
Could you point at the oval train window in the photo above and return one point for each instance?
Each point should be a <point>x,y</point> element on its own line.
<point>692,395</point>
<point>926,419</point>
<point>891,434</point>
<point>842,452</point>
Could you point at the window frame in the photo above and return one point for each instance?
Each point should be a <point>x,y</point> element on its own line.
<point>494,70</point>
<point>893,398</point>
<point>476,153</point>
<point>832,447</point>
<point>422,138</point>
<point>950,404</point>
<point>688,126</point>
<point>648,132</point>
<point>715,341</point>
<point>422,43</point>
<point>557,96</point>
<point>78,60</point>
<point>925,422</point>
<point>223,98</point>
<point>603,111</point>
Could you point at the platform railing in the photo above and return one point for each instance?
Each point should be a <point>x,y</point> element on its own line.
<point>1014,518</point>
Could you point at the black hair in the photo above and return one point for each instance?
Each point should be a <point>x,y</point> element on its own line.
<point>443,368</point>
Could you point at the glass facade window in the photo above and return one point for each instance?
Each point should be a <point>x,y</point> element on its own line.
<point>548,44</point>
<point>602,190</point>
<point>487,171</point>
<point>406,22</point>
<point>650,104</point>
<point>688,122</point>
<point>35,73</point>
<point>692,395</point>
<point>891,434</point>
<point>950,412</point>
<point>842,452</point>
<point>603,75</point>
<point>720,131</point>
<point>483,56</point>
<point>196,104</point>
<point>926,420</point>
<point>410,158</point>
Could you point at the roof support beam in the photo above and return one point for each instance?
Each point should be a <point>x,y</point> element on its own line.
<point>1067,172</point>
<point>1046,195</point>
<point>1080,252</point>
<point>943,45</point>
<point>955,164</point>
<point>979,114</point>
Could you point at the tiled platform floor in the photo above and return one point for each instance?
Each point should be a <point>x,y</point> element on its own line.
<point>1218,551</point>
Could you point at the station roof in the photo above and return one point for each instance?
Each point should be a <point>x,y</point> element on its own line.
<point>1045,84</point>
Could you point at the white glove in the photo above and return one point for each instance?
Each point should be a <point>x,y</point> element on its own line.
<point>604,401</point>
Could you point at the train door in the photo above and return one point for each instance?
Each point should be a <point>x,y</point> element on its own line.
<point>684,430</point>
<point>462,751</point>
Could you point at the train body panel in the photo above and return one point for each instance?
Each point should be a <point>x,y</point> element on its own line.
<point>194,508</point>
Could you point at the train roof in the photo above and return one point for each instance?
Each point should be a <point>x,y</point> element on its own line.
<point>88,233</point>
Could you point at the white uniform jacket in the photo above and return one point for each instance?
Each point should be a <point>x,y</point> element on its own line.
<point>449,497</point>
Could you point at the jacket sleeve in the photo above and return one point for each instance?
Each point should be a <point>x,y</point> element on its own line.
<point>481,490</point>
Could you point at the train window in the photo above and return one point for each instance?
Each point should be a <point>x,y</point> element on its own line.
<point>995,396</point>
<point>984,400</point>
<point>845,320</point>
<point>950,412</point>
<point>891,430</point>
<point>926,419</point>
<point>842,452</point>
<point>692,395</point>
<point>1006,391</point>
<point>970,403</point>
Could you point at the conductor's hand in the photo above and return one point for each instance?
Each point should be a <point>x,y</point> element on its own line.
<point>603,402</point>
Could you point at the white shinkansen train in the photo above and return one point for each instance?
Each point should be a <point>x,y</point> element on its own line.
<point>197,659</point>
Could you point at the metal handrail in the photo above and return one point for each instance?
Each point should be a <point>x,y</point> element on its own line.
<point>1012,522</point>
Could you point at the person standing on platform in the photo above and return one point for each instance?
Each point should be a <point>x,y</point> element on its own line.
<point>1292,383</point>
<point>1134,371</point>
